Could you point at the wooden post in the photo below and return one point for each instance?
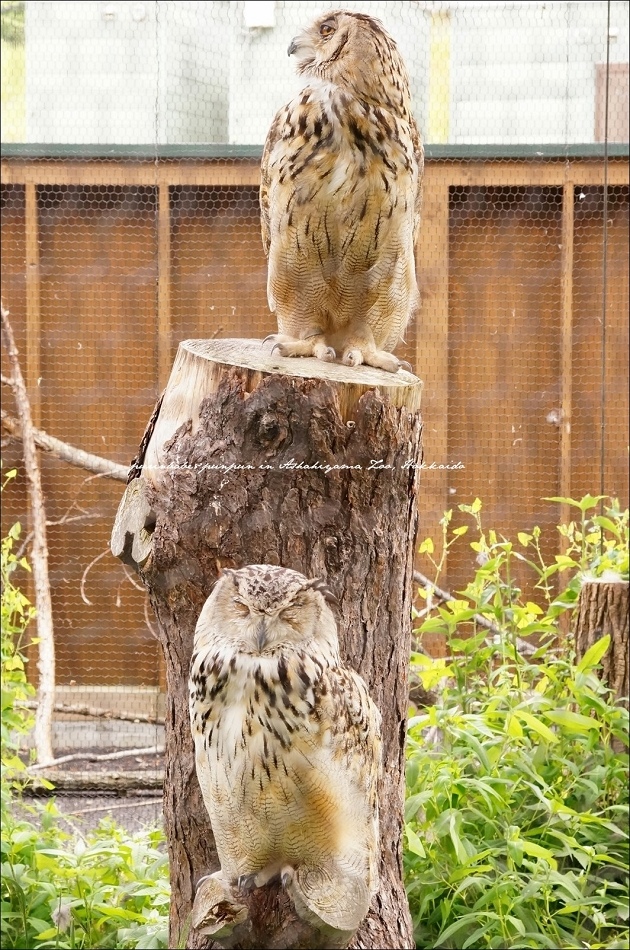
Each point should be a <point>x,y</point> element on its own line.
<point>33,316</point>
<point>603,609</point>
<point>260,459</point>
<point>566,350</point>
<point>164,284</point>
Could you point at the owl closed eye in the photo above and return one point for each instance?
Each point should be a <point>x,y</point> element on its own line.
<point>287,748</point>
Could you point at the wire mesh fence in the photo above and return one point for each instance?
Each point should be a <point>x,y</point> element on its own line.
<point>132,135</point>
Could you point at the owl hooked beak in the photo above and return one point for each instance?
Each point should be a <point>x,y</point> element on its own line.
<point>261,635</point>
<point>293,46</point>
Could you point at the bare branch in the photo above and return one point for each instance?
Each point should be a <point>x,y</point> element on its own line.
<point>69,453</point>
<point>147,620</point>
<point>143,803</point>
<point>523,645</point>
<point>91,757</point>
<point>95,712</point>
<point>39,554</point>
<point>98,557</point>
<point>131,578</point>
<point>65,780</point>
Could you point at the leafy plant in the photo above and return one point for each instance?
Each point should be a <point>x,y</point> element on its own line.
<point>517,803</point>
<point>16,613</point>
<point>105,889</point>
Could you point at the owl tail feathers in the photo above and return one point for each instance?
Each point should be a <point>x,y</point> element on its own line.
<point>215,913</point>
<point>328,895</point>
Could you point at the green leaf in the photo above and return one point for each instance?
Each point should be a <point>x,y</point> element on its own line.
<point>572,722</point>
<point>536,725</point>
<point>513,727</point>
<point>594,654</point>
<point>609,525</point>
<point>458,532</point>
<point>414,802</point>
<point>537,851</point>
<point>589,501</point>
<point>413,843</point>
<point>524,538</point>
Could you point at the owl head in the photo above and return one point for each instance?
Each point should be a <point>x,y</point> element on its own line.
<point>356,51</point>
<point>262,610</point>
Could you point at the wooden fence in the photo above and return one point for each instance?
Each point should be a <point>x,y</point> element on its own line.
<point>107,263</point>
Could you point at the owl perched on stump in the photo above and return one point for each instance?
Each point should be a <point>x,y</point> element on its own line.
<point>287,747</point>
<point>340,197</point>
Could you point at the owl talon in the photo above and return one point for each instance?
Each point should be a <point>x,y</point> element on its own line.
<point>405,365</point>
<point>247,883</point>
<point>352,358</point>
<point>325,353</point>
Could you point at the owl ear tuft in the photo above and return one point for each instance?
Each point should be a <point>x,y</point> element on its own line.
<point>226,572</point>
<point>319,584</point>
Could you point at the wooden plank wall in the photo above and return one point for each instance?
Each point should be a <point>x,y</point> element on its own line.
<point>107,265</point>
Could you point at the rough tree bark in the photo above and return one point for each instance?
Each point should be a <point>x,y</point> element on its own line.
<point>603,609</point>
<point>226,482</point>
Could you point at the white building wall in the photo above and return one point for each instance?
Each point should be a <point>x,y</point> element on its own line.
<point>188,71</point>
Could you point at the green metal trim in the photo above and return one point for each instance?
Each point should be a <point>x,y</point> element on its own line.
<point>199,152</point>
<point>195,152</point>
<point>533,152</point>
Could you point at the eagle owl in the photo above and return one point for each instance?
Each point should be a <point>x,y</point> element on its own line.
<point>340,197</point>
<point>287,746</point>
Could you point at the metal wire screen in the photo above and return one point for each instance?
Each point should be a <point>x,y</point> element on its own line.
<point>132,137</point>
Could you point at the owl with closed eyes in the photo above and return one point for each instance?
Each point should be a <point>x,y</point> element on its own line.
<point>340,196</point>
<point>287,748</point>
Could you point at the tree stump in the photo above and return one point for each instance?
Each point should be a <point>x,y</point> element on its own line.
<point>603,609</point>
<point>254,458</point>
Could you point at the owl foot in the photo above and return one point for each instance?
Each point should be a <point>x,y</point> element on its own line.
<point>215,913</point>
<point>314,345</point>
<point>249,882</point>
<point>373,357</point>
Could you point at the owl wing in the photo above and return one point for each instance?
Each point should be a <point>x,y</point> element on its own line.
<point>350,747</point>
<point>355,727</point>
<point>273,135</point>
<point>418,149</point>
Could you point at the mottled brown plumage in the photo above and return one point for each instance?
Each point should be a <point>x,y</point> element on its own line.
<point>287,745</point>
<point>340,197</point>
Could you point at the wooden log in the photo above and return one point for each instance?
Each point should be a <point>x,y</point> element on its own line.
<point>255,458</point>
<point>120,782</point>
<point>603,609</point>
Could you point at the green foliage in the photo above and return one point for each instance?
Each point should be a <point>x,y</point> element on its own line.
<point>107,889</point>
<point>12,21</point>
<point>517,800</point>
<point>16,613</point>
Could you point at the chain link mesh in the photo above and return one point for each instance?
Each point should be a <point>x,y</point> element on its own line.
<point>132,136</point>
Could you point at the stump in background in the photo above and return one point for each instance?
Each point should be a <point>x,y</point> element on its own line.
<point>240,468</point>
<point>603,609</point>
